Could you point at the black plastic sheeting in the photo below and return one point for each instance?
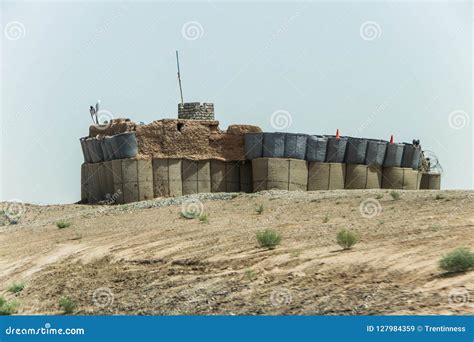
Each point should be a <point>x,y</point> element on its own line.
<point>85,151</point>
<point>253,145</point>
<point>295,145</point>
<point>411,156</point>
<point>274,145</point>
<point>316,147</point>
<point>125,145</point>
<point>393,156</point>
<point>356,150</point>
<point>376,150</point>
<point>336,151</point>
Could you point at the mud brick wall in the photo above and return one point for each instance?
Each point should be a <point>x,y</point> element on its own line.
<point>196,111</point>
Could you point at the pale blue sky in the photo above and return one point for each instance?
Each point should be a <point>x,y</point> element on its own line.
<point>251,59</point>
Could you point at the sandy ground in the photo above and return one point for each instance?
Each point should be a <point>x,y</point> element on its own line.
<point>128,260</point>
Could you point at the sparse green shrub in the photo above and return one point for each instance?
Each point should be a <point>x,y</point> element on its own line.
<point>395,195</point>
<point>268,238</point>
<point>16,287</point>
<point>67,305</point>
<point>458,260</point>
<point>346,239</point>
<point>439,197</point>
<point>8,307</point>
<point>379,196</point>
<point>259,209</point>
<point>249,274</point>
<point>326,218</point>
<point>204,218</point>
<point>62,224</point>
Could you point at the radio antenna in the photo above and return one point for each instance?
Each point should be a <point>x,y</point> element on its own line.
<point>179,78</point>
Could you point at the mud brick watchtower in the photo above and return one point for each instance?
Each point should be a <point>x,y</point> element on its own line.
<point>196,111</point>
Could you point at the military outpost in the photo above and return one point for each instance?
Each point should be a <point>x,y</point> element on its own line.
<point>127,162</point>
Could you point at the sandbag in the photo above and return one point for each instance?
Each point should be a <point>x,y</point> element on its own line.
<point>376,150</point>
<point>326,176</point>
<point>393,155</point>
<point>295,145</point>
<point>253,145</point>
<point>279,173</point>
<point>430,181</point>
<point>401,178</point>
<point>336,150</point>
<point>316,147</point>
<point>363,177</point>
<point>85,151</point>
<point>167,179</point>
<point>126,145</point>
<point>411,156</point>
<point>273,145</point>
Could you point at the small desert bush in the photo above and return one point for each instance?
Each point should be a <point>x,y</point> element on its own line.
<point>7,307</point>
<point>16,287</point>
<point>268,238</point>
<point>458,260</point>
<point>326,218</point>
<point>67,305</point>
<point>346,239</point>
<point>379,196</point>
<point>439,197</point>
<point>395,195</point>
<point>259,209</point>
<point>204,218</point>
<point>62,224</point>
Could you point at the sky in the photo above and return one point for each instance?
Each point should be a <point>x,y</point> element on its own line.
<point>369,69</point>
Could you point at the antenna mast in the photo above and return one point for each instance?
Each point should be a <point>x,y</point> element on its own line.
<point>179,79</point>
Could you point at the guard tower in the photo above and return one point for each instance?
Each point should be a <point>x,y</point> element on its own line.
<point>196,111</point>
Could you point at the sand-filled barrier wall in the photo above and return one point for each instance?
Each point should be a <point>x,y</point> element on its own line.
<point>430,181</point>
<point>326,176</point>
<point>401,178</point>
<point>279,173</point>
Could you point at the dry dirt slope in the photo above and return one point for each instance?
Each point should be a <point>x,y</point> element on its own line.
<point>144,259</point>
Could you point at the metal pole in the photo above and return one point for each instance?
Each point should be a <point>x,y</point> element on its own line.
<point>179,79</point>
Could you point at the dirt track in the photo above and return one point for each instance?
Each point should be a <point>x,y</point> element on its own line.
<point>127,260</point>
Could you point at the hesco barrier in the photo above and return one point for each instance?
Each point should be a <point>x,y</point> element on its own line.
<point>411,156</point>
<point>356,151</point>
<point>326,176</point>
<point>336,150</point>
<point>120,146</point>
<point>196,176</point>
<point>245,171</point>
<point>279,173</point>
<point>167,179</point>
<point>295,145</point>
<point>363,177</point>
<point>253,145</point>
<point>137,180</point>
<point>274,145</point>
<point>401,178</point>
<point>85,151</point>
<point>393,155</point>
<point>430,181</point>
<point>225,176</point>
<point>316,147</point>
<point>376,150</point>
